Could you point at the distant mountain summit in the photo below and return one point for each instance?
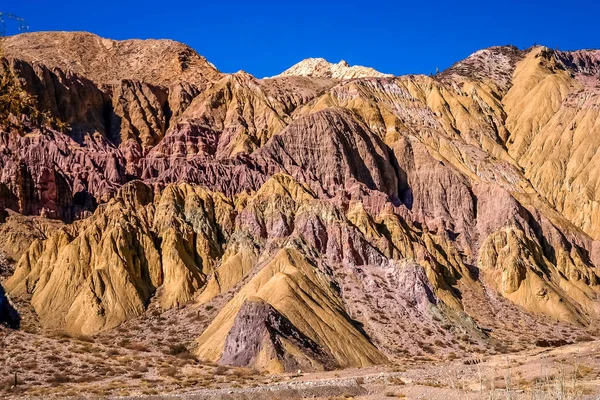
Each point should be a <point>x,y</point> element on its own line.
<point>321,68</point>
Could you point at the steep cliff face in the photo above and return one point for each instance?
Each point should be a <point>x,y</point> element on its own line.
<point>314,212</point>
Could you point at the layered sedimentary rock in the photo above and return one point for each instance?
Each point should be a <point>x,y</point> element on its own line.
<point>331,219</point>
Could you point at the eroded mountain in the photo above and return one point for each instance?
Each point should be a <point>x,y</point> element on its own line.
<point>326,221</point>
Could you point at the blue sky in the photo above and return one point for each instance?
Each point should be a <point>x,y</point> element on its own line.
<point>266,37</point>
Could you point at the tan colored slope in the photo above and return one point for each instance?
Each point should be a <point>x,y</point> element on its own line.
<point>140,108</point>
<point>493,66</point>
<point>275,202</point>
<point>554,119</point>
<point>18,232</point>
<point>517,267</point>
<point>441,139</point>
<point>455,123</point>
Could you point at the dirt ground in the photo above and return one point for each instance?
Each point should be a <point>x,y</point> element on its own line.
<point>120,368</point>
<point>568,372</point>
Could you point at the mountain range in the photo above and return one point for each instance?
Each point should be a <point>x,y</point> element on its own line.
<point>329,217</point>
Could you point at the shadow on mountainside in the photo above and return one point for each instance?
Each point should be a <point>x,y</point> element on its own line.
<point>8,315</point>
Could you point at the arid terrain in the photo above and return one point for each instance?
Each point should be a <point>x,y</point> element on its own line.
<point>171,231</point>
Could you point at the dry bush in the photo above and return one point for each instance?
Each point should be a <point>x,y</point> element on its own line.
<point>169,371</point>
<point>582,371</point>
<point>177,349</point>
<point>137,347</point>
<point>59,378</point>
<point>112,352</point>
<point>17,107</point>
<point>85,379</point>
<point>221,370</point>
<point>83,338</point>
<point>394,380</point>
<point>584,338</point>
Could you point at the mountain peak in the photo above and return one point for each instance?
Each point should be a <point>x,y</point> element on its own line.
<point>321,68</point>
<point>156,61</point>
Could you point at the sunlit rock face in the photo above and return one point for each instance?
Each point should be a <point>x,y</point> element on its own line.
<point>321,68</point>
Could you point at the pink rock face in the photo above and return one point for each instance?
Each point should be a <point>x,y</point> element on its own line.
<point>495,63</point>
<point>581,61</point>
<point>48,173</point>
<point>332,149</point>
<point>187,141</point>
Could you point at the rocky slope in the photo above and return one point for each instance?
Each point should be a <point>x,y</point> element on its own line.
<point>315,221</point>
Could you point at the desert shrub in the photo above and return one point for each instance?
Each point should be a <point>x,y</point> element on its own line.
<point>180,351</point>
<point>584,338</point>
<point>83,338</point>
<point>137,347</point>
<point>59,378</point>
<point>220,370</point>
<point>177,349</point>
<point>394,380</point>
<point>169,371</point>
<point>427,348</point>
<point>113,352</point>
<point>583,370</point>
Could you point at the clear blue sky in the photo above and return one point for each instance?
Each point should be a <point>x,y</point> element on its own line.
<point>266,37</point>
